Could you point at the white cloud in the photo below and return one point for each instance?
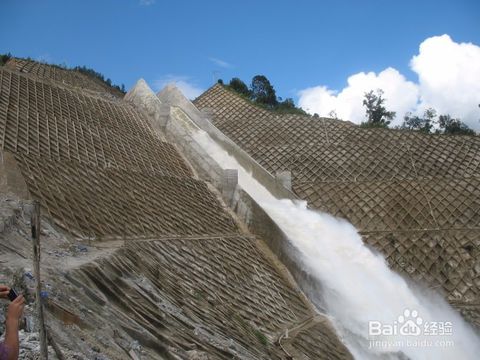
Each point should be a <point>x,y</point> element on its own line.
<point>184,83</point>
<point>449,77</point>
<point>401,95</point>
<point>448,80</point>
<point>147,2</point>
<point>220,62</point>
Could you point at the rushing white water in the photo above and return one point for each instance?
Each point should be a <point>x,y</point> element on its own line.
<point>359,291</point>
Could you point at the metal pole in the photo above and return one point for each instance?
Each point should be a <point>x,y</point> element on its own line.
<point>35,225</point>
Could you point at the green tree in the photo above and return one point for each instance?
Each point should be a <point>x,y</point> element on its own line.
<point>422,124</point>
<point>333,115</point>
<point>376,113</point>
<point>94,74</point>
<point>262,92</point>
<point>287,106</point>
<point>449,125</point>
<point>4,58</point>
<point>239,86</point>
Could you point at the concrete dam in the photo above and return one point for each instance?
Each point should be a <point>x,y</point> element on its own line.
<point>169,226</point>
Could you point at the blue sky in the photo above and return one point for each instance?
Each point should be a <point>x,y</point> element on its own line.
<point>296,44</point>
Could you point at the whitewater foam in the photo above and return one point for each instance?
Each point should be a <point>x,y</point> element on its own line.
<point>367,301</point>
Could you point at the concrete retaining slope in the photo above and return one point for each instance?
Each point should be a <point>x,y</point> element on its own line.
<point>141,95</point>
<point>172,96</point>
<point>183,122</point>
<point>123,213</point>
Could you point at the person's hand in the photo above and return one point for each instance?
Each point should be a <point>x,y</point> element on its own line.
<point>4,291</point>
<point>14,313</point>
<point>15,309</point>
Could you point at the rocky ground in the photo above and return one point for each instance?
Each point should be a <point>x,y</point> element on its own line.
<point>59,254</point>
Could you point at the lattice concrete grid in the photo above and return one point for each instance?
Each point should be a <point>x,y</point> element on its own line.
<point>417,189</point>
<point>219,293</point>
<point>63,76</point>
<point>70,146</point>
<point>184,278</point>
<point>43,120</point>
<point>97,203</point>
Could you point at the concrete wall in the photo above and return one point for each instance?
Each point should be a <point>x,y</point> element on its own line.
<point>180,130</point>
<point>186,116</point>
<point>171,123</point>
<point>183,121</point>
<point>144,98</point>
<point>171,95</point>
<point>262,225</point>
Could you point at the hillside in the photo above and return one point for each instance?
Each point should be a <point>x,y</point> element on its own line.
<point>141,256</point>
<point>414,197</point>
